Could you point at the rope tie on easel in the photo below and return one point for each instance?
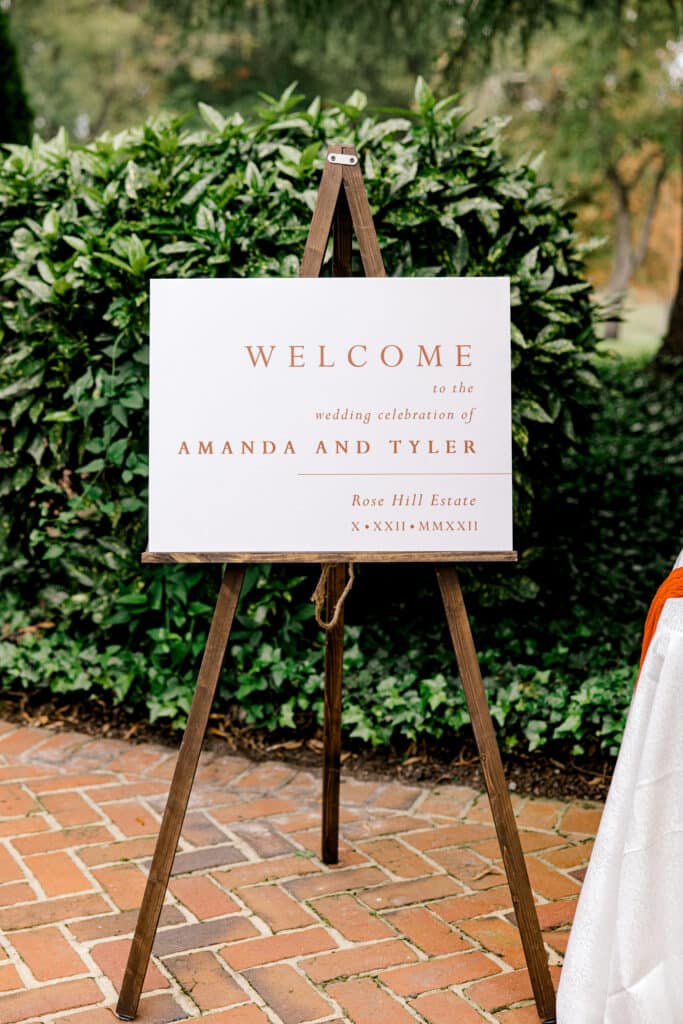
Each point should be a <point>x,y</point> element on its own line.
<point>320,594</point>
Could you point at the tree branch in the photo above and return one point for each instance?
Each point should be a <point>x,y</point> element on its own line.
<point>643,166</point>
<point>638,254</point>
<point>621,187</point>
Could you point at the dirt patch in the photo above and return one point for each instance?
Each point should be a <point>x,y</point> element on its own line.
<point>559,776</point>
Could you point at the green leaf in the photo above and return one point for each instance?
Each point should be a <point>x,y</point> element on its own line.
<point>51,224</point>
<point>358,100</point>
<point>92,467</point>
<point>252,176</point>
<point>309,155</point>
<point>21,386</point>
<point>560,346</point>
<point>198,189</point>
<point>423,95</point>
<point>113,261</point>
<point>211,117</point>
<point>530,409</point>
<point>116,451</point>
<point>589,378</point>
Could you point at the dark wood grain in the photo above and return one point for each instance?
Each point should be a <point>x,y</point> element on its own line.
<point>334,656</point>
<point>499,796</point>
<point>323,215</point>
<point>342,238</point>
<point>302,557</point>
<point>342,247</point>
<point>179,793</point>
<point>363,224</point>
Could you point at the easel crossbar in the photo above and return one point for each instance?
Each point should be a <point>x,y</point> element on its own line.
<point>302,557</point>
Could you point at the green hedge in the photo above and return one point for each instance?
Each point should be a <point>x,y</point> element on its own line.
<point>81,232</point>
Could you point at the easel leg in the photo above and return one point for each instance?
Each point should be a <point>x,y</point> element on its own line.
<point>179,794</point>
<point>501,806</point>
<point>334,656</point>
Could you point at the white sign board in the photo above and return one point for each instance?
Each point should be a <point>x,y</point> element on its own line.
<point>330,415</point>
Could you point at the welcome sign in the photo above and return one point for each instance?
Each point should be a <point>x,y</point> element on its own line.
<point>330,415</point>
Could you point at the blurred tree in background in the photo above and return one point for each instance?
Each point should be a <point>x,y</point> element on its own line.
<point>602,85</point>
<point>100,65</point>
<point>604,119</point>
<point>15,113</point>
<point>95,66</point>
<point>597,85</point>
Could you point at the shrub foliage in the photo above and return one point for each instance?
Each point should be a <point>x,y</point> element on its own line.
<point>83,229</point>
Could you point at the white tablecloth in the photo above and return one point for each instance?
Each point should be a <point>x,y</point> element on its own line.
<point>624,962</point>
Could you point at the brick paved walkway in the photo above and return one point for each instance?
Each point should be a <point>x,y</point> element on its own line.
<point>415,924</point>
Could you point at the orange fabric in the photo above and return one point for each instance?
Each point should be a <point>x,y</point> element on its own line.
<point>671,587</point>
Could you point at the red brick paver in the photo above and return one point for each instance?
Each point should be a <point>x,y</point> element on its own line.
<point>414,925</point>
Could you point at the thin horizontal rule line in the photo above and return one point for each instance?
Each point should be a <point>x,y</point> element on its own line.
<point>404,474</point>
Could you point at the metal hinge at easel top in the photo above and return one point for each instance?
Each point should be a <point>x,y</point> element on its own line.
<point>342,158</point>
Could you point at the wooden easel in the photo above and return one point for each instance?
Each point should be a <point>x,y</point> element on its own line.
<point>342,207</point>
